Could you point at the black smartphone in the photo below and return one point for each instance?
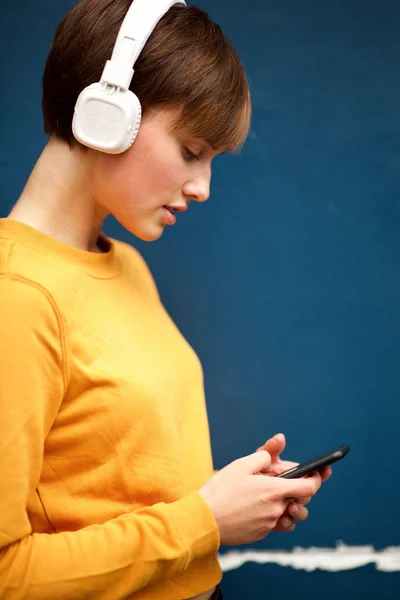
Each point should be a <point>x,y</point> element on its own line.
<point>315,464</point>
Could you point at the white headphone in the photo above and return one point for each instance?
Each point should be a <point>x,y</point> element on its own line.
<point>107,114</point>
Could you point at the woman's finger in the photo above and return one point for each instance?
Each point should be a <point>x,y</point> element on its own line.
<point>285,523</point>
<point>297,512</point>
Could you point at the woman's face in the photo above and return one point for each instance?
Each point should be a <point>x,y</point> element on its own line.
<point>164,167</point>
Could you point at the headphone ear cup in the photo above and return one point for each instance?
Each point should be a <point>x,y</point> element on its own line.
<point>136,119</point>
<point>106,120</point>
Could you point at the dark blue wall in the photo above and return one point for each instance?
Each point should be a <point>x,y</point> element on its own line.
<point>287,281</point>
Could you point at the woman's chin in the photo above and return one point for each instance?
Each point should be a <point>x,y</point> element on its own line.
<point>150,234</point>
<point>147,230</point>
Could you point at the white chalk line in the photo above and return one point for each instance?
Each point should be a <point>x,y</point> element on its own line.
<point>341,558</point>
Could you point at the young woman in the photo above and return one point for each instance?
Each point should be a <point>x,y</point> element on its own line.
<point>107,479</point>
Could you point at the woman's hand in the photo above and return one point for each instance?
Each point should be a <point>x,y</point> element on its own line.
<point>295,510</point>
<point>247,505</point>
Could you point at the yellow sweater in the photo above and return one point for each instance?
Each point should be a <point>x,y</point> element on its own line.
<point>104,437</point>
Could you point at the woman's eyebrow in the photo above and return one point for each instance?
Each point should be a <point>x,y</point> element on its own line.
<point>205,143</point>
<point>212,148</point>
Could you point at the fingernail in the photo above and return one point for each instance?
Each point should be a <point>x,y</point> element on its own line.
<point>279,435</point>
<point>287,523</point>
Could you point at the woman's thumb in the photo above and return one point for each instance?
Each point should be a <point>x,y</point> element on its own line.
<point>256,462</point>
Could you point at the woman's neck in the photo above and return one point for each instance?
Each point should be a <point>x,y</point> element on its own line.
<point>57,198</point>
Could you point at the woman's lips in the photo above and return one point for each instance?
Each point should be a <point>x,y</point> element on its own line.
<point>169,212</point>
<point>169,216</point>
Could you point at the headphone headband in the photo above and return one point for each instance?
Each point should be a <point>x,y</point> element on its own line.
<point>136,28</point>
<point>107,114</point>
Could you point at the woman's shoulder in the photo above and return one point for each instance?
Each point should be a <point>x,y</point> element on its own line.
<point>129,255</point>
<point>134,264</point>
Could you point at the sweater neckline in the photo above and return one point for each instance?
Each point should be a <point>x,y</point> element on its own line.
<point>103,265</point>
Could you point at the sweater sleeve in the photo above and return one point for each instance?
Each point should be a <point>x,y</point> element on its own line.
<point>110,560</point>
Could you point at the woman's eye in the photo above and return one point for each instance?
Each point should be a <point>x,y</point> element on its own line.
<point>190,155</point>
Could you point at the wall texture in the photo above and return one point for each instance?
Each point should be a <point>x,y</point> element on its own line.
<point>287,281</point>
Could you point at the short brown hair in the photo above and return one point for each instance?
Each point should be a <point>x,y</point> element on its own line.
<point>187,61</point>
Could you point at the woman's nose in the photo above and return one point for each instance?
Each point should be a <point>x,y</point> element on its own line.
<point>198,188</point>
